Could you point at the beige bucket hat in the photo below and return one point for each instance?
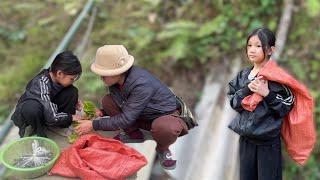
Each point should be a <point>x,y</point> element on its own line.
<point>112,60</point>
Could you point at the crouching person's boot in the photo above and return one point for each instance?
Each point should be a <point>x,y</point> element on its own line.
<point>135,136</point>
<point>165,131</point>
<point>165,159</point>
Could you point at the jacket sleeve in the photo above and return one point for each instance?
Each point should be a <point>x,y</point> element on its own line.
<point>280,102</point>
<point>55,118</point>
<point>136,103</point>
<point>236,94</point>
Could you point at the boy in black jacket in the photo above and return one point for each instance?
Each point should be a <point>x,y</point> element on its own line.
<point>50,99</point>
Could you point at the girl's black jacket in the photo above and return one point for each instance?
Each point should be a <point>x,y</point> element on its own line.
<point>264,123</point>
<point>41,88</point>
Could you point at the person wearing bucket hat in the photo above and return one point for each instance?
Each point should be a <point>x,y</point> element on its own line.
<point>136,100</point>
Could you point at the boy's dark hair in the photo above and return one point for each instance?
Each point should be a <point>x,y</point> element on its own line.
<point>266,36</point>
<point>66,62</point>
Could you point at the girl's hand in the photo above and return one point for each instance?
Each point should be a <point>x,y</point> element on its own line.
<point>99,113</point>
<point>77,118</point>
<point>259,86</point>
<point>84,127</point>
<point>79,106</point>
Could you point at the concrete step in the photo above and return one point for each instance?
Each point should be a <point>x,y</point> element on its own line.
<point>146,148</point>
<point>219,159</point>
<point>187,148</point>
<point>210,151</point>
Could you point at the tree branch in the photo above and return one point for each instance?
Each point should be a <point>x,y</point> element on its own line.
<point>283,28</point>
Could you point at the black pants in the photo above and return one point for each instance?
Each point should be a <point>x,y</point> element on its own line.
<point>260,162</point>
<point>32,110</point>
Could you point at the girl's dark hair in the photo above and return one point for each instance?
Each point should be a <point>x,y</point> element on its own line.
<point>266,36</point>
<point>66,62</point>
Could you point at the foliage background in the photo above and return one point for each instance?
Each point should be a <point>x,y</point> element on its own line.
<point>167,37</point>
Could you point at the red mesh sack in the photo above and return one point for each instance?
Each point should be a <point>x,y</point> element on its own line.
<point>95,157</point>
<point>298,129</point>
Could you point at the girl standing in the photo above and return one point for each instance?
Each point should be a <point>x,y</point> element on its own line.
<point>259,130</point>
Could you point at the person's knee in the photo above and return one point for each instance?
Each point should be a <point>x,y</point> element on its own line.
<point>106,100</point>
<point>31,108</point>
<point>32,111</point>
<point>109,105</point>
<point>71,92</point>
<point>167,125</point>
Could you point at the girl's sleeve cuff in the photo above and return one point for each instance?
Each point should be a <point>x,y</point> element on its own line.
<point>245,91</point>
<point>270,97</point>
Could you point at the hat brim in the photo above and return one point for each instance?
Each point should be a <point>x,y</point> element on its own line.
<point>112,72</point>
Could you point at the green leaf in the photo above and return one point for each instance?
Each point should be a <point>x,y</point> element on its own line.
<point>182,24</point>
<point>89,109</point>
<point>141,36</point>
<point>47,20</point>
<point>179,48</point>
<point>71,7</point>
<point>313,7</point>
<point>72,137</point>
<point>217,25</point>
<point>153,2</point>
<point>255,24</point>
<point>298,69</point>
<point>315,65</point>
<point>180,28</point>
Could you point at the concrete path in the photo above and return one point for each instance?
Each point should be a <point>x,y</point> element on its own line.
<point>146,148</point>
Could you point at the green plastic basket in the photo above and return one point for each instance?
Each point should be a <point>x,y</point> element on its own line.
<point>15,149</point>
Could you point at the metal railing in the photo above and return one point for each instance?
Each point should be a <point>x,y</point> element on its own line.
<point>62,45</point>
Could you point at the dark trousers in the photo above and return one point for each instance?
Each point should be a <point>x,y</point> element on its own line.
<point>32,110</point>
<point>260,162</point>
<point>165,129</point>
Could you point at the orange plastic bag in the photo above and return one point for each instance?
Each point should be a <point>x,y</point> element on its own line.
<point>298,129</point>
<point>95,157</point>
